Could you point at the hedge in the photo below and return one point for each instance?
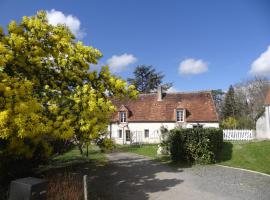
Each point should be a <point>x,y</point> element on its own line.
<point>197,145</point>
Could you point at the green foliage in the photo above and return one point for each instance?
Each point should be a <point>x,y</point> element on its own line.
<point>49,91</point>
<point>46,87</point>
<point>244,101</point>
<point>17,165</point>
<point>146,79</point>
<point>245,122</point>
<point>106,144</point>
<point>195,145</point>
<point>60,146</point>
<point>230,108</point>
<point>229,123</point>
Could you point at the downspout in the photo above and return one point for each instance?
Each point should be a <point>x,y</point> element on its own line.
<point>268,124</point>
<point>110,130</point>
<point>123,135</point>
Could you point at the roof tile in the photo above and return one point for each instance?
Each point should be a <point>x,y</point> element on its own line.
<point>199,107</point>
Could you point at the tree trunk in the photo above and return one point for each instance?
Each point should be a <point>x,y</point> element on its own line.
<point>80,148</point>
<point>78,143</point>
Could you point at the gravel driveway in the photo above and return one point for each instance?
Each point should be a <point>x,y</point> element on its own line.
<point>130,176</point>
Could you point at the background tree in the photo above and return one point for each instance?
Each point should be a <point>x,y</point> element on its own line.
<point>229,108</point>
<point>218,97</point>
<point>146,79</point>
<point>251,95</point>
<point>247,104</point>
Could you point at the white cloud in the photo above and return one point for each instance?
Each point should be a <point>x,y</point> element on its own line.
<point>119,63</point>
<point>261,66</point>
<point>172,90</point>
<point>192,66</point>
<point>57,17</point>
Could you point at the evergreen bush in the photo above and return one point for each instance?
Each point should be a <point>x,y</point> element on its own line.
<point>197,145</point>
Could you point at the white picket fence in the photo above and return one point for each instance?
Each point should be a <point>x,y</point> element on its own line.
<point>234,134</point>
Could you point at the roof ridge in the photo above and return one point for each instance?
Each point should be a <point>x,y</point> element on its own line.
<point>190,92</point>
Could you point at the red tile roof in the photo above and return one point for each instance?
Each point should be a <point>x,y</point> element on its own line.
<point>267,99</point>
<point>199,107</point>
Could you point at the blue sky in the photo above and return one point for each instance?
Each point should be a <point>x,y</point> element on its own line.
<point>214,43</point>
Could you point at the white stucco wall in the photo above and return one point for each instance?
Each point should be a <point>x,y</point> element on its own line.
<point>137,130</point>
<point>263,125</point>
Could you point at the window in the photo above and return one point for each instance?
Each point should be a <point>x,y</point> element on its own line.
<point>146,133</point>
<point>120,133</point>
<point>123,117</point>
<point>197,126</point>
<point>180,115</point>
<point>127,135</point>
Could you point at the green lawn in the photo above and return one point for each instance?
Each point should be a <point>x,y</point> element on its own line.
<point>74,158</point>
<point>74,154</point>
<point>149,150</point>
<point>249,155</point>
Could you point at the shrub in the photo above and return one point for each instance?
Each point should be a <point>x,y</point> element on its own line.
<point>106,144</point>
<point>13,166</point>
<point>229,123</point>
<point>60,146</point>
<point>196,145</point>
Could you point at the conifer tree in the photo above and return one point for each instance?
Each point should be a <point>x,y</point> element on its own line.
<point>146,79</point>
<point>230,106</point>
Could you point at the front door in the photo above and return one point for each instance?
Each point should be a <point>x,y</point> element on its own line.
<point>127,135</point>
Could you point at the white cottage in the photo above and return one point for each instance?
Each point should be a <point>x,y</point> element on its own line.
<point>140,120</point>
<point>263,123</point>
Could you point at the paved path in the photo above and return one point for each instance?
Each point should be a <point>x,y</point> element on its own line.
<point>130,176</point>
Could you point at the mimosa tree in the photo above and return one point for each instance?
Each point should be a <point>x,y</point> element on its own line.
<point>48,87</point>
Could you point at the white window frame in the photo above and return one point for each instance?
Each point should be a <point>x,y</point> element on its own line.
<point>178,117</point>
<point>123,116</point>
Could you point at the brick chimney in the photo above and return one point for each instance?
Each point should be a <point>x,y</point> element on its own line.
<point>159,93</point>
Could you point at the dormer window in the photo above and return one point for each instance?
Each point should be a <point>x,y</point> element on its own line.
<point>180,115</point>
<point>123,117</point>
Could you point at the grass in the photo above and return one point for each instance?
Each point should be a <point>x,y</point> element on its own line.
<point>149,150</point>
<point>74,156</point>
<point>65,172</point>
<point>248,155</point>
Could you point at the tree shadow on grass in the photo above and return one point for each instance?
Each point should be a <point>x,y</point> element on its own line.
<point>225,153</point>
